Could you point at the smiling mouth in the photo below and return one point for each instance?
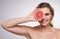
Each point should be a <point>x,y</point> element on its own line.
<point>44,20</point>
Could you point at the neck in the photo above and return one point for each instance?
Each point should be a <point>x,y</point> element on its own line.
<point>46,28</point>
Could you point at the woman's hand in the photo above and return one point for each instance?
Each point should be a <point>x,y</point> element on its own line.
<point>31,16</point>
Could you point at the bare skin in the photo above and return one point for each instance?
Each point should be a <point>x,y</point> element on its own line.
<point>42,31</point>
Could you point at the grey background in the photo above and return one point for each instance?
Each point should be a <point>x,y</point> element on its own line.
<point>20,8</point>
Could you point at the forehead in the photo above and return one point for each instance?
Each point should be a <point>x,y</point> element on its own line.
<point>45,10</point>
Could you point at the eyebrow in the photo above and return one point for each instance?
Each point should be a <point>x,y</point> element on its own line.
<point>46,13</point>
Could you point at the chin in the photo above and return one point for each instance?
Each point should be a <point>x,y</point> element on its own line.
<point>44,25</point>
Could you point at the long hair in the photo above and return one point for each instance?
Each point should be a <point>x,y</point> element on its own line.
<point>43,5</point>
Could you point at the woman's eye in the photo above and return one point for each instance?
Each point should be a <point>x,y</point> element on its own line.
<point>47,14</point>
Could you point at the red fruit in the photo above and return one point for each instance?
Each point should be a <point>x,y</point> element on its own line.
<point>39,14</point>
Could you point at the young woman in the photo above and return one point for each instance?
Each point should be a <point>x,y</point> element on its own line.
<point>43,31</point>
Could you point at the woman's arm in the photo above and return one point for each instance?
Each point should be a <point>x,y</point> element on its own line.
<point>12,24</point>
<point>14,21</point>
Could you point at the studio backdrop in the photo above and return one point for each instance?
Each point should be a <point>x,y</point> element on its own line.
<point>20,8</point>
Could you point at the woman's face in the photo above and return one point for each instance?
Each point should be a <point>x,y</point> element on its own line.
<point>47,16</point>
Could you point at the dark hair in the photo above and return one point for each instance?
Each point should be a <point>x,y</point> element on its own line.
<point>43,5</point>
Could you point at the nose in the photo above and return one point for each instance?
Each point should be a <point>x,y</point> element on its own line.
<point>44,17</point>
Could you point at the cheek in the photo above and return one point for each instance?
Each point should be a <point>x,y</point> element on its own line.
<point>49,17</point>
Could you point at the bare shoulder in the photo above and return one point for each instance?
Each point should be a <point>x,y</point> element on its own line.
<point>58,33</point>
<point>58,30</point>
